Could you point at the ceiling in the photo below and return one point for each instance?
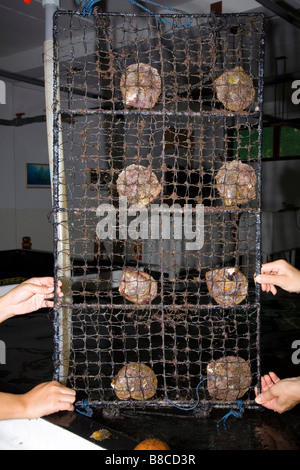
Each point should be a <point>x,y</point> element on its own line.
<point>22,26</point>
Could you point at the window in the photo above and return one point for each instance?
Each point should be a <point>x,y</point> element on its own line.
<point>277,142</point>
<point>289,142</point>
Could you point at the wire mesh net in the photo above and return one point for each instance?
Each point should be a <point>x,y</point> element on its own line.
<point>157,147</point>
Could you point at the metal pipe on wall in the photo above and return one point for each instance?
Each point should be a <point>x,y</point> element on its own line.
<point>61,232</point>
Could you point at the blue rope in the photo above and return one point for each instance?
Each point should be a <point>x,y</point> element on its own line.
<point>157,16</point>
<point>87,409</point>
<point>237,414</point>
<point>87,6</point>
<point>198,398</point>
<point>87,9</point>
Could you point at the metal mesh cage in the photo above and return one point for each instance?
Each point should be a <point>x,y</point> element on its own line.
<point>189,154</point>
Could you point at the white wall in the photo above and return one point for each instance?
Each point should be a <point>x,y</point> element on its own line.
<point>23,210</point>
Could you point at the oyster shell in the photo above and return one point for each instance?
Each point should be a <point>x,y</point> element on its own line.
<point>136,381</point>
<point>228,286</point>
<point>139,184</point>
<point>140,86</point>
<point>235,89</point>
<point>229,378</point>
<point>137,287</point>
<point>236,183</point>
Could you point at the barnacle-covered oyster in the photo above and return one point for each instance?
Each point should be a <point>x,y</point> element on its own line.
<point>138,184</point>
<point>236,183</point>
<point>228,286</point>
<point>137,287</point>
<point>136,381</point>
<point>229,378</point>
<point>235,89</point>
<point>140,85</point>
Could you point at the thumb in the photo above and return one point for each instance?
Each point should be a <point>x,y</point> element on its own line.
<point>264,397</point>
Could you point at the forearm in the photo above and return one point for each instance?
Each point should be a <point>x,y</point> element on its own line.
<point>12,406</point>
<point>5,309</point>
<point>42,400</point>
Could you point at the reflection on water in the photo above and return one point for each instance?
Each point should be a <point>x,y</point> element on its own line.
<point>275,439</point>
<point>257,430</point>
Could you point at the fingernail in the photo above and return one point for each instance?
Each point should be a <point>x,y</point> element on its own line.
<point>258,399</point>
<point>258,278</point>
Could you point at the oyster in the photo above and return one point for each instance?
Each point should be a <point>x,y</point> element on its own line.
<point>235,89</point>
<point>229,378</point>
<point>236,183</point>
<point>140,86</point>
<point>228,286</point>
<point>137,287</point>
<point>139,184</point>
<point>135,381</point>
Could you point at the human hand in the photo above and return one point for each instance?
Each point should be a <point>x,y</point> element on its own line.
<point>29,296</point>
<point>279,273</point>
<point>47,398</point>
<point>278,395</point>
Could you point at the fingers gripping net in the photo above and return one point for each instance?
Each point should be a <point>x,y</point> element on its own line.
<point>161,131</point>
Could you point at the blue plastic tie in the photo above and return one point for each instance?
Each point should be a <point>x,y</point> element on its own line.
<point>87,9</point>
<point>157,16</point>
<point>198,398</point>
<point>87,6</point>
<point>87,409</point>
<point>237,414</point>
